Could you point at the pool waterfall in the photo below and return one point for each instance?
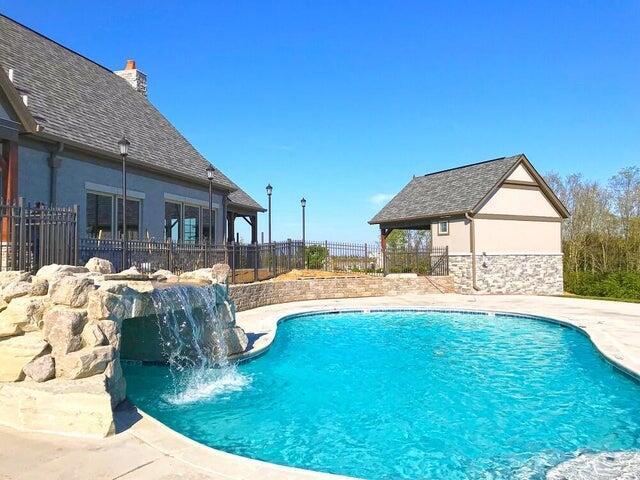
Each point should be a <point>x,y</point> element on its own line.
<point>191,329</point>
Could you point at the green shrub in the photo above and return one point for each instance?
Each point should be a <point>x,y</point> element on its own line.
<point>316,256</point>
<point>625,285</point>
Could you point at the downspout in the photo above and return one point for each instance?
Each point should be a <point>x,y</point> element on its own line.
<point>54,165</point>
<point>472,241</point>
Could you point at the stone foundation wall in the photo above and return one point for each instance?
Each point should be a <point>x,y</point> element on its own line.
<point>509,274</point>
<point>253,295</point>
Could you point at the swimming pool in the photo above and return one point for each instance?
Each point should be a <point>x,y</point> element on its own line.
<point>399,394</point>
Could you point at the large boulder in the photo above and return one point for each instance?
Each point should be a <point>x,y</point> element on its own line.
<point>39,286</point>
<point>113,302</point>
<point>16,352</point>
<point>202,275</point>
<point>235,339</point>
<point>55,271</point>
<point>84,363</point>
<point>40,369</point>
<point>34,286</point>
<point>164,276</point>
<point>111,330</point>
<point>12,276</point>
<point>23,314</point>
<point>77,407</point>
<point>70,290</point>
<point>16,289</point>
<point>63,329</point>
<point>116,384</point>
<point>100,265</point>
<point>92,336</point>
<point>220,272</point>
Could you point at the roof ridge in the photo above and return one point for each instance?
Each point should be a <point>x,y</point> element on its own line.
<point>55,42</point>
<point>470,165</point>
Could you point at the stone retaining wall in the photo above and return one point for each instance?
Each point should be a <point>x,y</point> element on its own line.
<point>509,274</point>
<point>253,295</point>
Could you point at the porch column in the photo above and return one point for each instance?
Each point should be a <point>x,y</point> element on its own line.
<point>384,233</point>
<point>10,174</point>
<point>254,228</point>
<point>231,224</point>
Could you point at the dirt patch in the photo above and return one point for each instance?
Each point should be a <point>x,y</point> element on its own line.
<point>308,274</point>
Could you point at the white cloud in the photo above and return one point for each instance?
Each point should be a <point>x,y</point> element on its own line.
<point>380,198</point>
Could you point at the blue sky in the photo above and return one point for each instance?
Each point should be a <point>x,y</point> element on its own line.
<point>342,102</point>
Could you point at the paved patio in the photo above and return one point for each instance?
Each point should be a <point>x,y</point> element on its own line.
<point>147,450</point>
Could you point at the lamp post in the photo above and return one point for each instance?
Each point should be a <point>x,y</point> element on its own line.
<point>269,191</point>
<point>303,202</point>
<point>123,144</point>
<point>210,172</point>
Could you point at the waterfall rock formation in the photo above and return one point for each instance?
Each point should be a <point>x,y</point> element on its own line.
<point>61,338</point>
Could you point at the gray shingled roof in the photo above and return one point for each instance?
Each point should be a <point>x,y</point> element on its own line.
<point>83,102</point>
<point>243,200</point>
<point>444,193</point>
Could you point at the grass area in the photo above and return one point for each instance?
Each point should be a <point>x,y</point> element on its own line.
<point>591,297</point>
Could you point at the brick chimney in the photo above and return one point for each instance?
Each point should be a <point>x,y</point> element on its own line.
<point>134,77</point>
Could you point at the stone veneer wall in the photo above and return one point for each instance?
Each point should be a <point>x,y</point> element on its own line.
<point>253,295</point>
<point>510,274</point>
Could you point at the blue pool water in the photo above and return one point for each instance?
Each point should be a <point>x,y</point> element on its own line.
<point>390,395</point>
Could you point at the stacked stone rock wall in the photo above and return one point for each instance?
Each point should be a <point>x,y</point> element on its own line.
<point>509,274</point>
<point>255,295</point>
<point>60,339</point>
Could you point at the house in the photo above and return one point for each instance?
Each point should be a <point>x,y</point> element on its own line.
<point>499,220</point>
<point>61,116</point>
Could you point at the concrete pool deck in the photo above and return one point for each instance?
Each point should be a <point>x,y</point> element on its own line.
<point>145,449</point>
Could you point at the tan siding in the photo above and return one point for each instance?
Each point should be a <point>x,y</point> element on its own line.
<point>517,236</point>
<point>519,201</point>
<point>521,174</point>
<point>458,239</point>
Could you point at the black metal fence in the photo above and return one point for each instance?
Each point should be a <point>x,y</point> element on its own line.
<point>33,236</point>
<point>248,262</point>
<point>422,261</point>
<point>36,236</point>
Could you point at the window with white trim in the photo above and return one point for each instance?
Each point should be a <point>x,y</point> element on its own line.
<point>184,222</point>
<point>104,215</point>
<point>443,228</point>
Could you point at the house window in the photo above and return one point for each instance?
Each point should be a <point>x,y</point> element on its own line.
<point>172,221</point>
<point>191,224</point>
<point>205,225</point>
<point>443,228</point>
<point>133,218</point>
<point>99,215</point>
<point>187,223</point>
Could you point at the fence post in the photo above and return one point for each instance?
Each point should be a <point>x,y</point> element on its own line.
<point>446,256</point>
<point>76,240</point>
<point>329,265</point>
<point>168,244</point>
<point>289,254</point>
<point>21,234</point>
<point>366,258</point>
<point>233,262</point>
<point>383,248</point>
<point>255,262</point>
